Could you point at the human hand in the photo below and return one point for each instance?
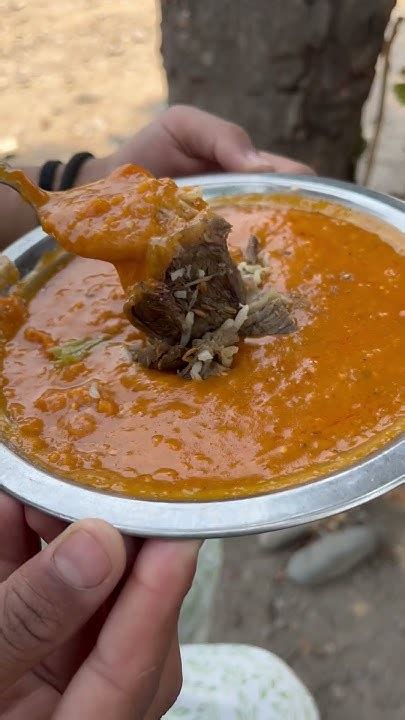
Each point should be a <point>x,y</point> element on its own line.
<point>182,141</point>
<point>186,141</point>
<point>88,626</point>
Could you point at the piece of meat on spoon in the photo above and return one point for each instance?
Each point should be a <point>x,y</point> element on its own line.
<point>170,250</point>
<point>201,280</point>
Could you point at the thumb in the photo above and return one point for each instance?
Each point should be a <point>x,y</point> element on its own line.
<point>51,596</point>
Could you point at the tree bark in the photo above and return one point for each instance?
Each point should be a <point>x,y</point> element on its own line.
<point>294,73</point>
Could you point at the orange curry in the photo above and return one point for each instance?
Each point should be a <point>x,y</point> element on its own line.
<point>290,409</point>
<point>129,218</point>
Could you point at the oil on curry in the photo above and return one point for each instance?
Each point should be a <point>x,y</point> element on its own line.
<point>314,380</point>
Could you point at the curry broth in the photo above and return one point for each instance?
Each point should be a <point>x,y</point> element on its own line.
<point>290,409</point>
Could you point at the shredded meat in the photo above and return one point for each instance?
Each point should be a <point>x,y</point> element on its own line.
<point>252,251</point>
<point>269,314</point>
<point>202,279</point>
<point>196,317</point>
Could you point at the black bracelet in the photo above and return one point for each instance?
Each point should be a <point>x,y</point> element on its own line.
<point>47,174</point>
<point>72,168</point>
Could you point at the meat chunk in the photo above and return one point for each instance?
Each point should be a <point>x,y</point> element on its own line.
<point>207,356</point>
<point>196,316</point>
<point>202,279</point>
<point>252,251</point>
<point>269,314</point>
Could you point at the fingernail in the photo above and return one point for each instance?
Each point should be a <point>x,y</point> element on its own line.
<point>81,561</point>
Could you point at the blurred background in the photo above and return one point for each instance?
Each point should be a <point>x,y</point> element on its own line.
<point>300,76</point>
<point>82,74</point>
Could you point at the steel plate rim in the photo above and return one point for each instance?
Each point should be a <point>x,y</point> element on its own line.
<point>299,504</point>
<point>206,519</point>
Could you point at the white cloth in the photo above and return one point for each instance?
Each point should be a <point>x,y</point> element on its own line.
<point>239,682</point>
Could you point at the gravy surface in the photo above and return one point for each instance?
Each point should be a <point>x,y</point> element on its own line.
<point>290,409</point>
<point>129,218</point>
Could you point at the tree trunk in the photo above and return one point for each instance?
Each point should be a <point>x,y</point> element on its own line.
<point>294,73</point>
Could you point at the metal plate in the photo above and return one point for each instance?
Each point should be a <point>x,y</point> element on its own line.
<point>331,494</point>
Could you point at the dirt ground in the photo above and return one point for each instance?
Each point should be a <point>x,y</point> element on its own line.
<point>345,639</point>
<point>76,74</point>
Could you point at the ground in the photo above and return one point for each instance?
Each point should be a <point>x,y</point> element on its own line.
<point>344,639</point>
<point>77,75</point>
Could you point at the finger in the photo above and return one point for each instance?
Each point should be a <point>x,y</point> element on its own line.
<point>270,162</point>
<point>170,683</point>
<point>219,142</point>
<point>123,672</point>
<point>17,541</point>
<point>48,599</point>
<point>48,528</point>
<point>61,665</point>
<point>59,668</point>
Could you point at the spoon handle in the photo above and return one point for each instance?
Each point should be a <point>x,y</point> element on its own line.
<point>28,190</point>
